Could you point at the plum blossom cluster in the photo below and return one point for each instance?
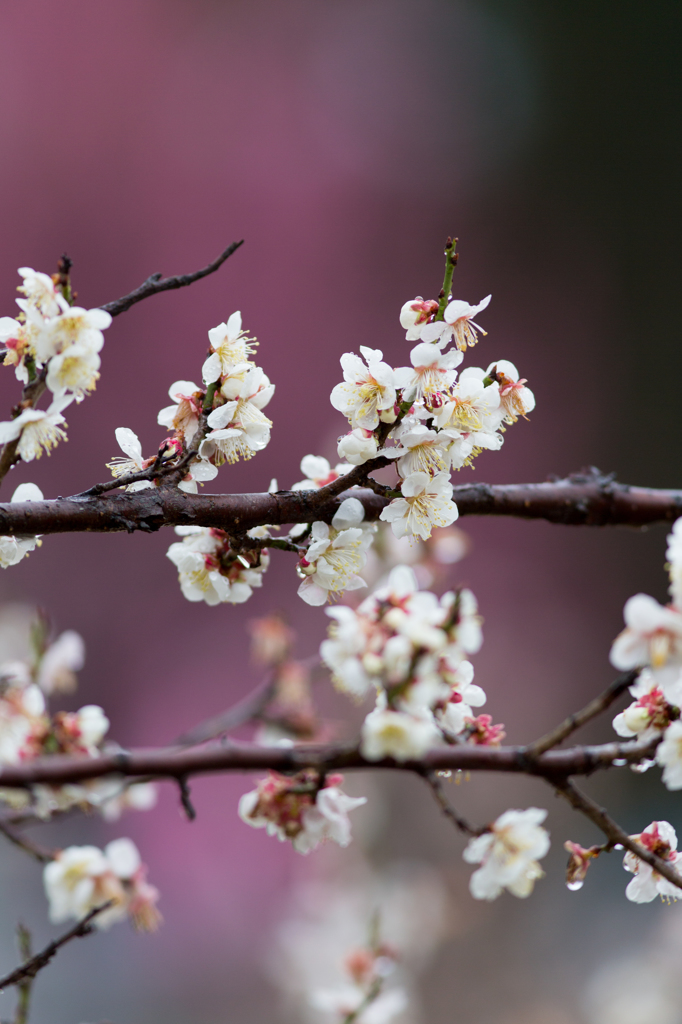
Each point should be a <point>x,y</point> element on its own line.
<point>364,998</point>
<point>303,809</point>
<point>222,421</point>
<point>210,570</point>
<point>28,730</point>
<point>438,421</point>
<point>81,878</point>
<point>55,342</point>
<point>411,650</point>
<point>652,643</point>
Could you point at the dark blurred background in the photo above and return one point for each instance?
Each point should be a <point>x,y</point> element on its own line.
<point>344,141</point>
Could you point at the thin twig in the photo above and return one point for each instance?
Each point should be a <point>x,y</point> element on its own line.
<point>580,718</point>
<point>40,853</point>
<point>156,283</point>
<point>612,830</point>
<point>42,959</point>
<point>251,707</point>
<point>25,986</point>
<point>448,810</point>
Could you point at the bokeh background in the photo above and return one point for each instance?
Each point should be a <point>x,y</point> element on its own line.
<point>344,141</point>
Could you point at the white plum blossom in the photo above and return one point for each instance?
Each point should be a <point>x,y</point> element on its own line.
<point>183,415</point>
<point>431,375</point>
<point>60,662</point>
<point>472,412</point>
<point>669,755</point>
<point>397,734</point>
<point>659,837</point>
<point>129,443</point>
<point>318,473</point>
<point>239,428</point>
<point>415,314</point>
<point>91,725</point>
<point>508,854</point>
<point>74,326</point>
<point>367,390</point>
<point>423,451</point>
<point>515,398</point>
<point>458,324</point>
<point>335,555</point>
<point>36,430</point>
<point>230,347</point>
<point>75,370</point>
<point>13,549</point>
<point>674,555</point>
<point>425,503</point>
<point>358,446</point>
<point>40,293</point>
<point>653,635</point>
<point>344,652</point>
<point>199,472</point>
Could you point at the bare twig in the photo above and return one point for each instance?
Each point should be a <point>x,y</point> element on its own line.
<point>587,503</point>
<point>580,718</point>
<point>448,810</point>
<point>40,853</point>
<point>612,830</point>
<point>42,959</point>
<point>156,283</point>
<point>246,710</point>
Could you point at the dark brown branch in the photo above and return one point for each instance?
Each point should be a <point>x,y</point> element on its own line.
<point>566,501</point>
<point>156,283</point>
<point>580,718</point>
<point>42,959</point>
<point>178,762</point>
<point>614,833</point>
<point>448,810</point>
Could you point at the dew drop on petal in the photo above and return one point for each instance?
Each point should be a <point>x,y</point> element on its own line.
<point>574,886</point>
<point>619,846</point>
<point>618,762</point>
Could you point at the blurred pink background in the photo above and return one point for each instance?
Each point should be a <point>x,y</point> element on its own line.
<point>344,141</point>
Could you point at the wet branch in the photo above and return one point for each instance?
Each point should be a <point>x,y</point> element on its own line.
<point>612,830</point>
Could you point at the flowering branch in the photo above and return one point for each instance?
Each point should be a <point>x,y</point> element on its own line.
<point>577,500</point>
<point>156,283</point>
<point>612,830</point>
<point>42,959</point>
<point>177,763</point>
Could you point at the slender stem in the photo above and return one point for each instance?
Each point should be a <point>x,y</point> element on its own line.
<point>42,959</point>
<point>448,810</point>
<point>40,853</point>
<point>23,1002</point>
<point>155,284</point>
<point>580,718</point>
<point>612,830</point>
<point>450,264</point>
